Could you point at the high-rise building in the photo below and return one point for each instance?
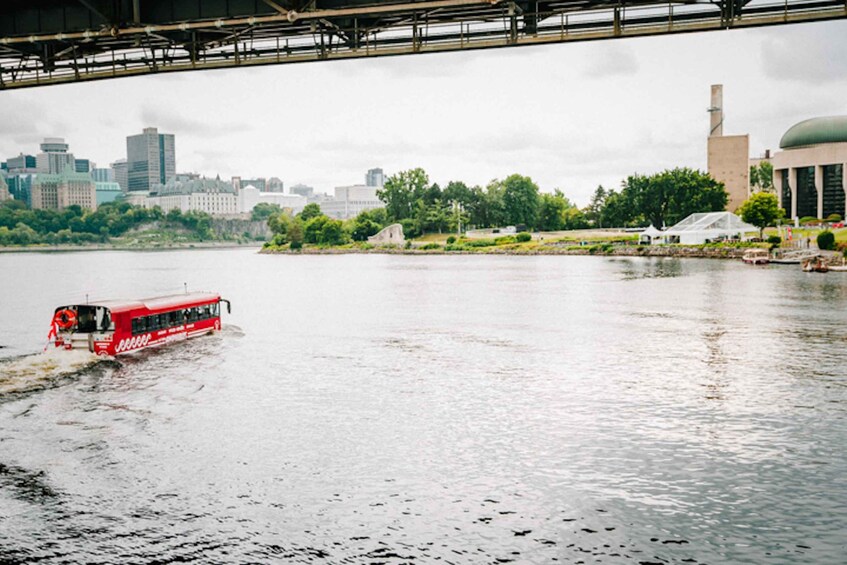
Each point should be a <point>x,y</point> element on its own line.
<point>119,171</point>
<point>275,184</point>
<point>302,190</point>
<point>375,177</point>
<point>150,159</point>
<point>83,165</point>
<point>21,164</point>
<point>259,183</point>
<point>103,175</point>
<point>68,188</point>
<point>54,156</point>
<point>20,186</point>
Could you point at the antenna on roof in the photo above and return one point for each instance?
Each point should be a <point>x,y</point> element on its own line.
<point>86,298</point>
<point>185,284</point>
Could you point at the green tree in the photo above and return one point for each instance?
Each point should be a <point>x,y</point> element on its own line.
<point>594,210</point>
<point>520,200</point>
<point>309,211</point>
<point>312,229</point>
<point>574,219</point>
<point>363,227</point>
<point>295,233</point>
<point>401,192</point>
<point>264,210</point>
<point>332,233</point>
<point>762,210</point>
<point>667,197</point>
<point>551,211</point>
<point>761,177</point>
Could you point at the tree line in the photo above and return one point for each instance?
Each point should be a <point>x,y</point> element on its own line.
<point>661,199</point>
<point>424,207</point>
<point>23,226</point>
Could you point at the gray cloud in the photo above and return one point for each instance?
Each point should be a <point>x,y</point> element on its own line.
<point>180,124</point>
<point>813,53</point>
<point>612,61</point>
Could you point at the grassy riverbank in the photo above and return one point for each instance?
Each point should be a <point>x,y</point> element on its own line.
<point>541,244</point>
<point>129,246</point>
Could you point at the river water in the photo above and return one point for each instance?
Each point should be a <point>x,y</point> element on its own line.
<point>409,409</point>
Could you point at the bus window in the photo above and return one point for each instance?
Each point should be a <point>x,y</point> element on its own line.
<point>173,318</point>
<point>135,325</point>
<point>216,307</point>
<point>163,321</point>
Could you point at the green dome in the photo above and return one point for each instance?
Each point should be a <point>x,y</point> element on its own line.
<point>817,130</point>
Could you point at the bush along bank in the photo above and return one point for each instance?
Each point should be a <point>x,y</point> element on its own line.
<point>523,244</point>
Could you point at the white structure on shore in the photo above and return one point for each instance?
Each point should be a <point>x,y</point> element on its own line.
<point>349,201</point>
<point>249,196</point>
<point>704,227</point>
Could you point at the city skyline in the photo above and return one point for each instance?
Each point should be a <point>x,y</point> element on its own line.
<point>569,116</point>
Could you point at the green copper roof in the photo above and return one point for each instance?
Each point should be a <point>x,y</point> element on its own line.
<point>817,130</point>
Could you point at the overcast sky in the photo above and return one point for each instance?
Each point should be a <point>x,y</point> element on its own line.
<point>571,116</point>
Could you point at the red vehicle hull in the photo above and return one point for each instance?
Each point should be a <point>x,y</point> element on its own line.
<point>117,327</point>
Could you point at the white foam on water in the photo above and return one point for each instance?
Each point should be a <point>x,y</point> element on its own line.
<point>38,370</point>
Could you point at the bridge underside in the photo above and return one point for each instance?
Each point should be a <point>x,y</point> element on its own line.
<point>59,41</point>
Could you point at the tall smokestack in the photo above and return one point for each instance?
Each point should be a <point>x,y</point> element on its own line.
<point>716,111</point>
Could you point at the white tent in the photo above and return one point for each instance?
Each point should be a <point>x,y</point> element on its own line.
<point>707,226</point>
<point>650,235</point>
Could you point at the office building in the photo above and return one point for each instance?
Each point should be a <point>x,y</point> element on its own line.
<point>249,196</point>
<point>54,157</point>
<point>21,164</point>
<point>107,192</point>
<point>302,190</point>
<point>120,173</point>
<point>259,183</point>
<point>275,185</point>
<point>20,187</point>
<point>150,159</point>
<point>349,201</point>
<point>375,177</point>
<point>103,175</point>
<point>68,188</point>
<point>83,165</point>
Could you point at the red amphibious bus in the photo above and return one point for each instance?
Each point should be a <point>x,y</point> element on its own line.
<point>112,327</point>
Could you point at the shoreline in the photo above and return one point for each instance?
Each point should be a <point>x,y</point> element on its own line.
<point>109,247</point>
<point>615,251</point>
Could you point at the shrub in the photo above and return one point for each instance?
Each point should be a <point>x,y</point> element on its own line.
<point>296,245</point>
<point>451,240</point>
<point>506,239</point>
<point>408,244</point>
<point>774,240</point>
<point>523,237</point>
<point>826,240</point>
<point>479,243</point>
<point>432,245</point>
<point>833,218</point>
<point>809,221</point>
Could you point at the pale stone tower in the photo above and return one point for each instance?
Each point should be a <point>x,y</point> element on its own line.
<point>728,155</point>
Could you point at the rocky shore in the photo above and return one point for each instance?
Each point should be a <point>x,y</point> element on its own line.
<point>608,251</point>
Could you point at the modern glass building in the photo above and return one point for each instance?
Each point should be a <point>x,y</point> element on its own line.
<point>809,171</point>
<point>107,192</point>
<point>151,159</point>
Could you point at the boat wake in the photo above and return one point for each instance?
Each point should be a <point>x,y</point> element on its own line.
<point>43,370</point>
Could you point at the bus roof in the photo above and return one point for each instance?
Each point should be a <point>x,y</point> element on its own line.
<point>185,300</point>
